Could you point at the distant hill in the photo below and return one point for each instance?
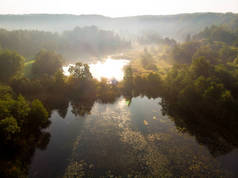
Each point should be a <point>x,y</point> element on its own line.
<point>174,26</point>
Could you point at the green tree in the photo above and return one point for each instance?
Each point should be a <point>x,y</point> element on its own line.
<point>9,128</point>
<point>11,65</point>
<point>80,71</point>
<point>38,115</point>
<point>17,115</point>
<point>21,124</point>
<point>201,66</point>
<point>128,79</point>
<point>46,63</point>
<point>81,83</point>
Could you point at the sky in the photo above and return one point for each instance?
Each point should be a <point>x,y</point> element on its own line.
<point>116,8</point>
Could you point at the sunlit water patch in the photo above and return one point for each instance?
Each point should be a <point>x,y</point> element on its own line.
<point>110,69</point>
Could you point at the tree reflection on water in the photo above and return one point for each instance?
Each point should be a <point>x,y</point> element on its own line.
<point>115,141</point>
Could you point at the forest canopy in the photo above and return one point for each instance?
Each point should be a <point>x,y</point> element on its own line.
<point>79,42</point>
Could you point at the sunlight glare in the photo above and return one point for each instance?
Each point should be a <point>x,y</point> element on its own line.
<point>66,69</point>
<point>110,69</point>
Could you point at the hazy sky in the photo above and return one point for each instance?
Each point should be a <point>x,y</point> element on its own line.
<point>116,8</point>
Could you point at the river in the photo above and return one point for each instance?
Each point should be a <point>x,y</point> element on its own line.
<point>127,138</point>
<point>108,68</point>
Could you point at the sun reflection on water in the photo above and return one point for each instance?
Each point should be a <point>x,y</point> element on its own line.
<point>110,69</point>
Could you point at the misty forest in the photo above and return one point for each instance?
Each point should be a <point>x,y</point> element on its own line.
<point>139,96</point>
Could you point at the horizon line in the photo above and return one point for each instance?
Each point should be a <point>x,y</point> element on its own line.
<point>208,12</point>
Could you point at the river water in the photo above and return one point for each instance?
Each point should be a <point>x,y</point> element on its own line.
<point>125,138</point>
<point>129,138</point>
<point>109,68</point>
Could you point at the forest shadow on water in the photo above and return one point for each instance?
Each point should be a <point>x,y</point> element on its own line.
<point>131,136</point>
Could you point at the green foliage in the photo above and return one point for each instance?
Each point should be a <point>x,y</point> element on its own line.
<point>208,51</point>
<point>148,61</point>
<point>17,115</point>
<point>201,67</point>
<point>80,82</point>
<point>21,110</point>
<point>26,86</point>
<point>107,92</point>
<point>214,52</point>
<point>218,33</point>
<point>87,41</point>
<point>228,53</point>
<point>43,75</point>
<point>217,44</point>
<point>183,53</point>
<point>46,63</point>
<point>20,132</point>
<point>59,80</point>
<point>5,92</point>
<point>155,38</point>
<point>235,60</point>
<point>150,85</point>
<point>9,128</point>
<point>80,71</point>
<point>11,65</point>
<point>38,115</point>
<point>128,80</point>
<point>203,87</point>
<point>202,100</point>
<point>27,68</point>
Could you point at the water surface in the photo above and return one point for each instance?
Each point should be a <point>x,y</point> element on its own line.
<point>108,68</point>
<point>125,138</point>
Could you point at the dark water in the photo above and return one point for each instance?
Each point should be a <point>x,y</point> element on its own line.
<point>126,139</point>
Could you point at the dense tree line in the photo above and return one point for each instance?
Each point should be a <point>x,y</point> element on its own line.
<point>199,92</point>
<point>219,33</point>
<point>21,120</point>
<point>202,98</point>
<point>79,42</point>
<point>45,80</point>
<point>155,38</point>
<point>215,51</point>
<point>12,65</point>
<point>21,124</point>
